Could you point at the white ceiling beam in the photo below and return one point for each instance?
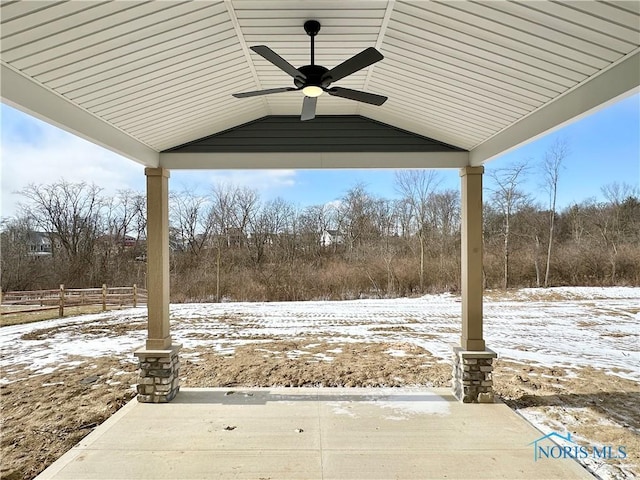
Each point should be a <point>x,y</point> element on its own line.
<point>312,160</point>
<point>383,29</point>
<point>23,93</point>
<point>245,49</point>
<point>620,80</point>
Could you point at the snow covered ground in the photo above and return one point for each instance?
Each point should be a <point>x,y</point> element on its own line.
<point>569,328</point>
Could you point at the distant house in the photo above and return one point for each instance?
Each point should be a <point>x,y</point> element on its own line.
<point>235,237</point>
<point>331,237</point>
<point>128,241</point>
<point>39,244</point>
<point>109,240</point>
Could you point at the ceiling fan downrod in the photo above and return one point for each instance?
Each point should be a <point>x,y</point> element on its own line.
<point>312,27</point>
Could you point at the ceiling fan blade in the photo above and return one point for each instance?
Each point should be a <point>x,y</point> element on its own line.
<point>357,95</point>
<point>309,108</point>
<point>362,60</point>
<point>278,61</point>
<point>263,92</point>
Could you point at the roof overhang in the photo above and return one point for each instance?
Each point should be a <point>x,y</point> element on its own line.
<point>140,78</point>
<point>611,85</point>
<point>24,94</point>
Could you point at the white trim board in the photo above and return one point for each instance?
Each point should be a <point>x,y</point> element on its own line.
<point>25,94</point>
<point>610,86</point>
<point>327,160</point>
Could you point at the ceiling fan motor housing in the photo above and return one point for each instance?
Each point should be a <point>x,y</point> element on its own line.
<point>312,27</point>
<point>314,75</point>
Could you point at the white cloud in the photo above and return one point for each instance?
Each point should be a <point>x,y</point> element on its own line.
<point>265,181</point>
<point>334,204</point>
<point>48,154</point>
<point>33,151</point>
<point>268,183</point>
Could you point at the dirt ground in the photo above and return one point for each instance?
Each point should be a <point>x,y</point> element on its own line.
<point>594,403</point>
<point>45,415</point>
<point>18,315</point>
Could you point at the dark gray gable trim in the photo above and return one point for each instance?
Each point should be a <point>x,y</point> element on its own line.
<point>326,133</point>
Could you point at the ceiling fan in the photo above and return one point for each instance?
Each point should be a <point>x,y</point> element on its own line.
<point>314,79</point>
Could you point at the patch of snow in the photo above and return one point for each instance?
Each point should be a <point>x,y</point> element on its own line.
<point>323,357</point>
<point>580,293</point>
<point>396,353</point>
<point>406,403</point>
<point>403,403</point>
<point>341,408</point>
<point>569,417</point>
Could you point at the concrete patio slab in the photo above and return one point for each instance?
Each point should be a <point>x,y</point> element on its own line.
<point>311,433</point>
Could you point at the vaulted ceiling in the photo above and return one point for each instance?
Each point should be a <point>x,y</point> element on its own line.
<point>143,77</point>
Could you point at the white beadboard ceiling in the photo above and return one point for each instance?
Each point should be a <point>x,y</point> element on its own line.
<point>142,77</point>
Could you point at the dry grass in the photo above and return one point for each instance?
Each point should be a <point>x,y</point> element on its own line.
<point>13,315</point>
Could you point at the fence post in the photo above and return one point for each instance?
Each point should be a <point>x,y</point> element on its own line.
<point>135,295</point>
<point>61,306</point>
<point>104,297</point>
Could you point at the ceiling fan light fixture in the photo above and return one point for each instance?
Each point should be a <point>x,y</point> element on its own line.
<point>312,91</point>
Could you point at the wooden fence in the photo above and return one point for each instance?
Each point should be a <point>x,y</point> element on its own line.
<point>73,297</point>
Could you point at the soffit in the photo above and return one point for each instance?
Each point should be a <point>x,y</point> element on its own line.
<point>162,73</point>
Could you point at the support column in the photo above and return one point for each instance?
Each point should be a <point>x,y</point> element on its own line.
<point>471,250</point>
<point>158,360</point>
<point>472,368</point>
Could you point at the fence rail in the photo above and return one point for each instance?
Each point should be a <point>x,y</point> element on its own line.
<point>74,297</point>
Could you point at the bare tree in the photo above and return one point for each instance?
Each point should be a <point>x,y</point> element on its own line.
<point>416,187</point>
<point>124,215</point>
<point>385,216</point>
<point>446,207</point>
<point>269,224</point>
<point>22,268</point>
<point>72,214</point>
<point>356,211</point>
<point>404,217</point>
<point>191,218</point>
<point>617,220</point>
<point>246,203</point>
<point>270,250</point>
<point>551,167</point>
<point>222,204</point>
<point>232,207</point>
<point>314,221</point>
<point>507,197</point>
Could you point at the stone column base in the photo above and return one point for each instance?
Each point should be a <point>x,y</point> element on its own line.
<point>472,382</point>
<point>158,374</point>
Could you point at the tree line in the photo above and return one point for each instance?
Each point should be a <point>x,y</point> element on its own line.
<point>230,244</point>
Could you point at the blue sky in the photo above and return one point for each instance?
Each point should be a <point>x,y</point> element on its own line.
<point>605,148</point>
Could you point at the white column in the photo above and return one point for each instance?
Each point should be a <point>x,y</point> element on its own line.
<point>472,339</point>
<point>159,337</point>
